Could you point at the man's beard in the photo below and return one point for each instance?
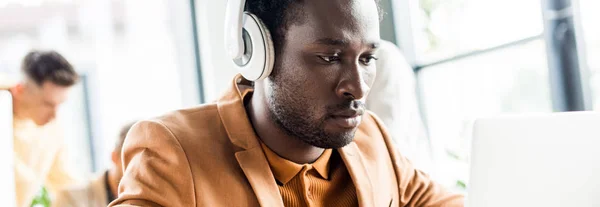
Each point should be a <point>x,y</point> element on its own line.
<point>297,118</point>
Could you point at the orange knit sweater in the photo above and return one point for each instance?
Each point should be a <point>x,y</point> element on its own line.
<point>325,182</point>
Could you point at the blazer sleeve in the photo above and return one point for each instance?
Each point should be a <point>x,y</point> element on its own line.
<point>416,188</point>
<point>156,169</point>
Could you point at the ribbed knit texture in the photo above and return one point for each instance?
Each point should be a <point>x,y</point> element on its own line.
<point>308,188</point>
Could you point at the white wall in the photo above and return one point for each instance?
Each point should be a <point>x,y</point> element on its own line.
<point>145,72</point>
<point>216,67</point>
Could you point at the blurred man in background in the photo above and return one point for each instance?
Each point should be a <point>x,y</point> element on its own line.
<point>101,190</point>
<point>40,156</point>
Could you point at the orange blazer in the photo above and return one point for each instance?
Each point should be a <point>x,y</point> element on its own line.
<point>210,156</point>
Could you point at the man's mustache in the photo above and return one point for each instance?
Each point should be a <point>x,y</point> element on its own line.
<point>356,106</point>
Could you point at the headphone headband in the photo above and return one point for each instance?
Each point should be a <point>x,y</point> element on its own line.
<point>233,28</point>
<point>248,42</point>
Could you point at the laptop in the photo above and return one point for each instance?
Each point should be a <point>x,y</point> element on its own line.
<point>7,188</point>
<point>547,160</point>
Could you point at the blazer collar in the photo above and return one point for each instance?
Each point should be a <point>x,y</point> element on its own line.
<point>253,161</point>
<point>251,157</point>
<point>358,172</point>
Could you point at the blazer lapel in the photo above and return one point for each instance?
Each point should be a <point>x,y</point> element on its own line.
<point>256,168</point>
<point>250,157</point>
<point>358,172</point>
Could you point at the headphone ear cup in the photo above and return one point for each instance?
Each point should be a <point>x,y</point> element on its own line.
<point>269,49</point>
<point>259,55</point>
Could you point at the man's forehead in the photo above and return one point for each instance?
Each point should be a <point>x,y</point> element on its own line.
<point>332,9</point>
<point>371,43</point>
<point>342,19</point>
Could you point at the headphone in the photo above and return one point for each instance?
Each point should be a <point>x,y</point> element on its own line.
<point>248,42</point>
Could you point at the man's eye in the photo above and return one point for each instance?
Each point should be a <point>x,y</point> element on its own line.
<point>368,60</point>
<point>330,59</point>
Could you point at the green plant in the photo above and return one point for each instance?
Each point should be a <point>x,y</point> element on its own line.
<point>460,183</point>
<point>42,199</point>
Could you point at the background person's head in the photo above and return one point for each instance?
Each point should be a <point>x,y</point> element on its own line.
<point>324,66</point>
<point>116,153</point>
<point>47,78</point>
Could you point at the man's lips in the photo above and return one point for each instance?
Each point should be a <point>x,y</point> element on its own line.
<point>348,119</point>
<point>348,113</point>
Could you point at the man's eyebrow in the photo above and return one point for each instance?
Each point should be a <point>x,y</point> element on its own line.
<point>332,42</point>
<point>375,45</point>
<point>340,42</point>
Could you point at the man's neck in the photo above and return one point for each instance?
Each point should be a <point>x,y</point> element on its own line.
<point>275,138</point>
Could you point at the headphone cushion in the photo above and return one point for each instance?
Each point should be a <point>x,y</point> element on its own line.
<point>262,59</point>
<point>270,48</point>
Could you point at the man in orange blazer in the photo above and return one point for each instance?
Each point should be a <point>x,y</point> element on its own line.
<point>300,137</point>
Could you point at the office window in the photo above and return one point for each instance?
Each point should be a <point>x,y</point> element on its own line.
<point>473,58</point>
<point>444,28</point>
<point>588,10</point>
<point>75,120</point>
<point>511,80</point>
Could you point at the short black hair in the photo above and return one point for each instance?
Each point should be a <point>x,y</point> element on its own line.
<point>122,135</point>
<point>42,66</point>
<point>278,15</point>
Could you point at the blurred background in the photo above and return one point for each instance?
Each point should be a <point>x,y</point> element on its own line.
<point>471,58</point>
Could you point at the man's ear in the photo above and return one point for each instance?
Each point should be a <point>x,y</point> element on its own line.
<point>17,89</point>
<point>114,156</point>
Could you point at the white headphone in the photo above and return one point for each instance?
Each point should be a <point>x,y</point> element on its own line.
<point>248,42</point>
